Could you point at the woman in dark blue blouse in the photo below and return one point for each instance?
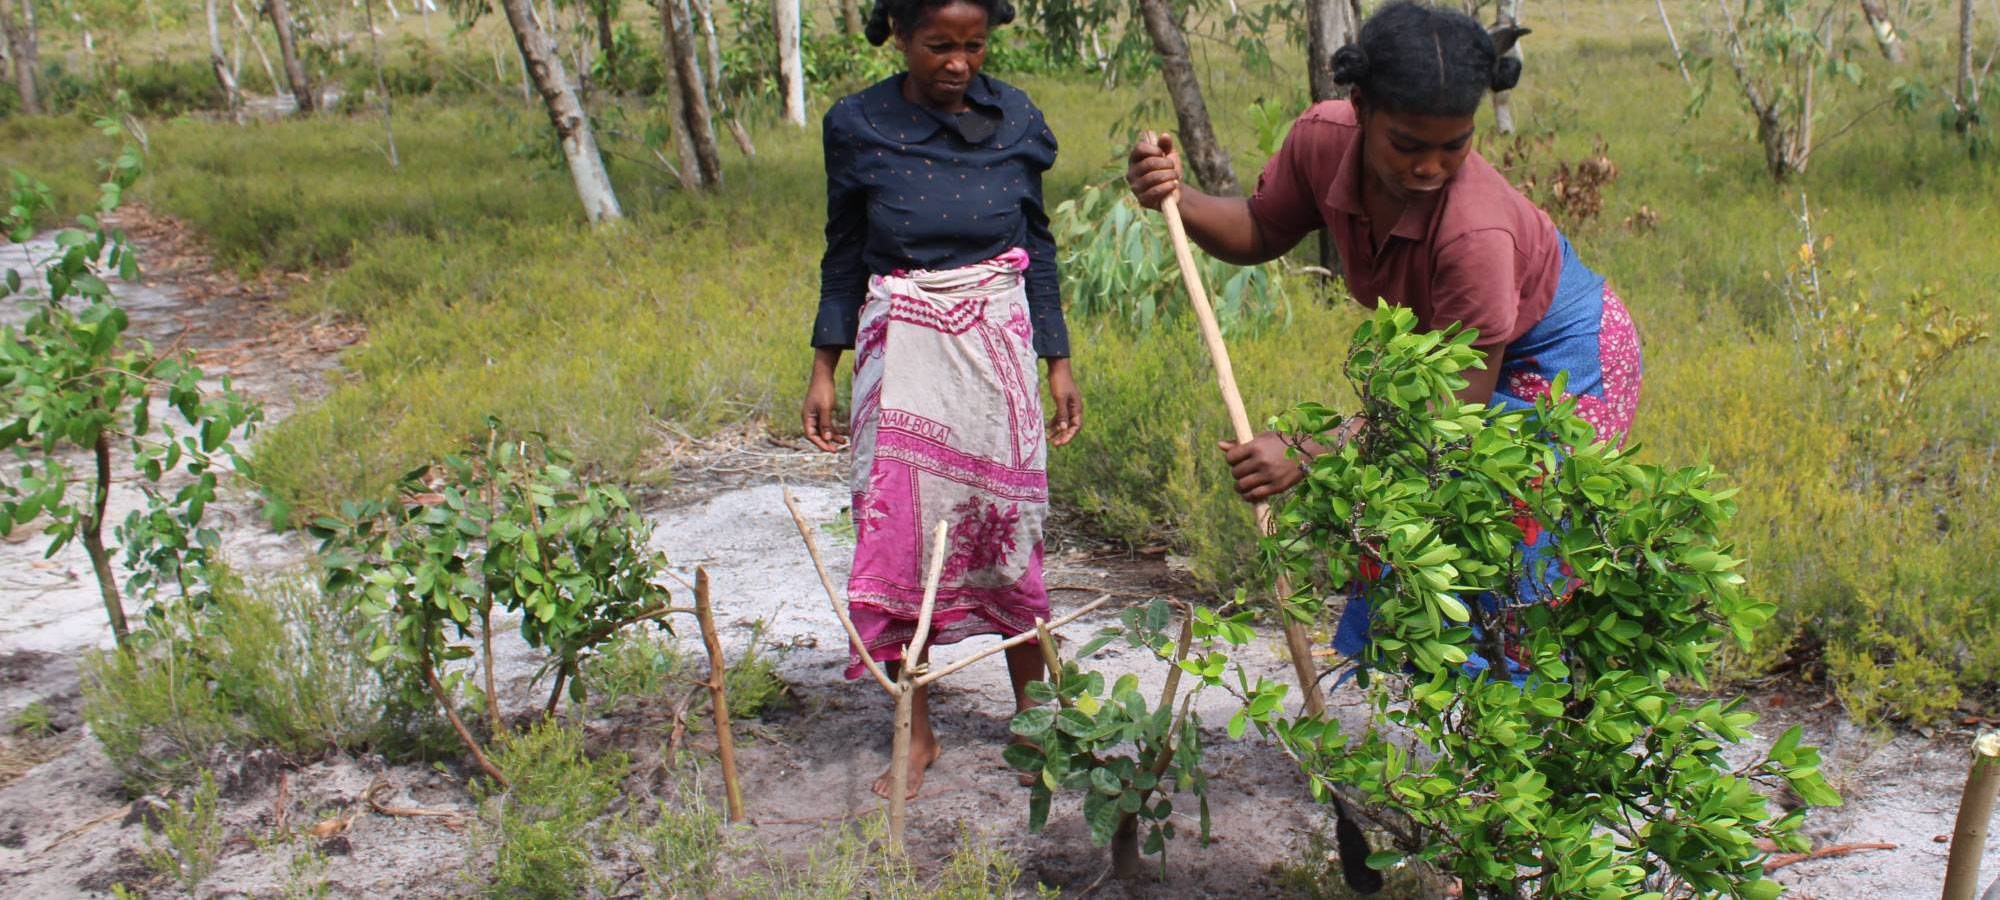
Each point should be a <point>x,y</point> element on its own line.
<point>940,273</point>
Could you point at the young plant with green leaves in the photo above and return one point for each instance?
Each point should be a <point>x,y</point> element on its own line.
<point>1591,776</point>
<point>71,382</point>
<point>1788,62</point>
<point>1129,757</point>
<point>508,527</point>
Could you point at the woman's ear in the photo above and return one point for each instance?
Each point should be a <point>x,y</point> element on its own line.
<point>1359,99</point>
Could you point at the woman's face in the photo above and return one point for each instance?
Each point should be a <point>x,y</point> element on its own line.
<point>944,51</point>
<point>1413,154</point>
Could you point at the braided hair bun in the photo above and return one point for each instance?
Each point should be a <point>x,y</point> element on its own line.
<point>892,16</point>
<point>1414,58</point>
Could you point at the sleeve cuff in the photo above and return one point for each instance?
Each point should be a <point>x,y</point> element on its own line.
<point>836,325</point>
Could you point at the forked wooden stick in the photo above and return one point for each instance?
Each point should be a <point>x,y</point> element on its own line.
<point>833,597</point>
<point>912,674</point>
<point>906,695</point>
<point>1010,643</point>
<point>1296,641</point>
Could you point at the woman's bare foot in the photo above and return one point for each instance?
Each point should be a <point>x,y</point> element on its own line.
<point>921,757</point>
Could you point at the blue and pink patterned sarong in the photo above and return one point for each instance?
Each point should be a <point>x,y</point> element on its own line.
<point>947,427</point>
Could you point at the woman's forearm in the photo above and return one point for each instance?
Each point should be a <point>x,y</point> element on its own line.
<point>1224,227</point>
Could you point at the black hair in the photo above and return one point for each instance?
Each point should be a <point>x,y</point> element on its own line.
<point>890,16</point>
<point>1413,58</point>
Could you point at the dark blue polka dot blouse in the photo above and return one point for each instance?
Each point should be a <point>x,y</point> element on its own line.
<point>910,188</point>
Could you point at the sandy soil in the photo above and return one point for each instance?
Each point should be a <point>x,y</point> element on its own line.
<point>67,830</point>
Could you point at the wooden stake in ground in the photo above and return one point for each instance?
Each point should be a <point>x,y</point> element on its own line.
<point>913,674</point>
<point>1296,641</point>
<point>1975,814</point>
<point>718,696</point>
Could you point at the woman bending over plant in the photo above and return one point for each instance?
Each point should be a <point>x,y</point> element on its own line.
<point>1420,220</point>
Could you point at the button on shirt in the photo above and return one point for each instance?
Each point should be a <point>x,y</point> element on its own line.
<point>908,187</point>
<point>1474,251</point>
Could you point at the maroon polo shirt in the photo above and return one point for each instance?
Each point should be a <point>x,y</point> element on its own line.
<point>1474,251</point>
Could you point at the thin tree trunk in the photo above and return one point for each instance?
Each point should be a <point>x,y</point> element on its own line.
<point>1322,39</point>
<point>1330,24</point>
<point>381,85</point>
<point>27,61</point>
<point>1680,59</point>
<point>1197,136</point>
<point>602,8</point>
<point>850,18</point>
<point>791,69</point>
<point>1967,96</point>
<point>1975,811</point>
<point>288,50</point>
<point>249,31</point>
<point>694,119</point>
<point>707,10</point>
<point>224,72</point>
<point>451,715</point>
<point>566,113</point>
<point>1886,38</point>
<point>93,542</point>
<point>1507,14</point>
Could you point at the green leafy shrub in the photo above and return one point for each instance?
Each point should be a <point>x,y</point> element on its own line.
<point>1593,777</point>
<point>507,527</point>
<point>71,382</point>
<point>1075,746</point>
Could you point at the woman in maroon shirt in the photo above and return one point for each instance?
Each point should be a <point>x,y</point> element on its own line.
<point>1420,220</point>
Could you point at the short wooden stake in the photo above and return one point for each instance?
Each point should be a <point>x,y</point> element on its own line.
<point>1975,814</point>
<point>718,694</point>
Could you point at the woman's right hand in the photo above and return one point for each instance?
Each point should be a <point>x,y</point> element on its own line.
<point>1153,171</point>
<point>817,414</point>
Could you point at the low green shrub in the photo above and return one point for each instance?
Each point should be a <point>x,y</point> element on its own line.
<point>190,836</point>
<point>268,664</point>
<point>545,827</point>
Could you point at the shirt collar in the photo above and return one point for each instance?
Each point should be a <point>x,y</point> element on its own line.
<point>896,118</point>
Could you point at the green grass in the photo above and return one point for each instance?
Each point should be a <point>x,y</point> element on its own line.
<point>484,295</point>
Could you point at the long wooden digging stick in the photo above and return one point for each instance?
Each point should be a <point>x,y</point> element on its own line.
<point>1297,643</point>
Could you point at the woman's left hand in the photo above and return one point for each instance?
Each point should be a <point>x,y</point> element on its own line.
<point>1068,418</point>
